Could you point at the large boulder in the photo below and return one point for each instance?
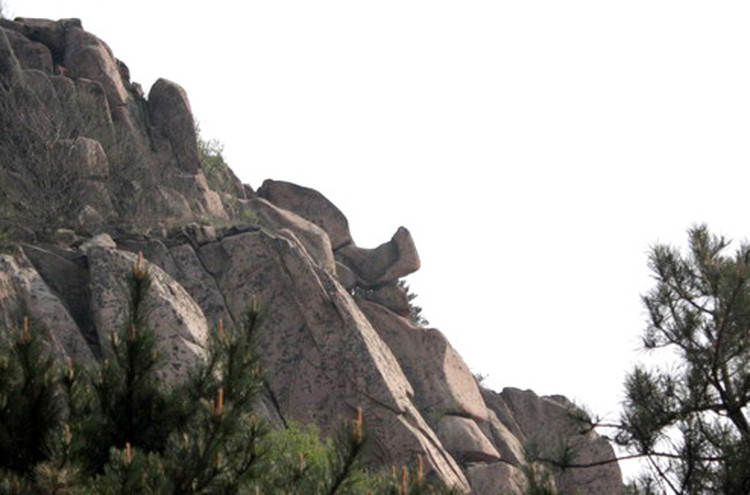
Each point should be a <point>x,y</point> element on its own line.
<point>496,478</point>
<point>465,441</point>
<point>169,109</point>
<point>386,263</point>
<point>553,424</point>
<point>182,262</point>
<point>313,238</point>
<point>86,56</point>
<point>393,296</point>
<point>30,54</point>
<point>10,68</point>
<point>50,33</point>
<point>178,322</point>
<point>65,271</point>
<point>311,205</point>
<point>24,293</point>
<point>442,382</point>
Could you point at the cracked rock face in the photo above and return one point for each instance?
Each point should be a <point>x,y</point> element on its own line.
<point>337,334</point>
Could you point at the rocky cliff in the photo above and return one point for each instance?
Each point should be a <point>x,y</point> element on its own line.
<point>93,171</point>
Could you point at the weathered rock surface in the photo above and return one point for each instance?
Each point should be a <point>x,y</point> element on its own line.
<point>552,423</point>
<point>169,109</point>
<point>24,292</point>
<point>30,54</point>
<point>337,333</point>
<point>311,205</point>
<point>316,241</point>
<point>392,296</point>
<point>88,57</point>
<point>386,263</point>
<point>10,67</point>
<point>178,322</point>
<point>465,441</point>
<point>496,478</point>
<point>442,382</point>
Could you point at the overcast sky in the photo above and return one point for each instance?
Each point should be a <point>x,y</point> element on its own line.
<point>535,149</point>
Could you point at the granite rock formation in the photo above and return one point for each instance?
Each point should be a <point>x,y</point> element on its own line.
<point>94,164</point>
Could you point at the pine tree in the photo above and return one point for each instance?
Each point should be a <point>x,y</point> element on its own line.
<point>691,420</point>
<point>30,405</point>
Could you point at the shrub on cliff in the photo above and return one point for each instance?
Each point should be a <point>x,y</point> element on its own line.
<point>115,427</point>
<point>219,176</point>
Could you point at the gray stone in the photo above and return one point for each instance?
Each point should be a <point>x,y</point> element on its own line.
<point>48,32</point>
<point>169,109</point>
<point>190,272</point>
<point>178,322</point>
<point>30,54</point>
<point>311,205</point>
<point>24,293</point>
<point>313,238</point>
<point>464,440</point>
<point>386,263</point>
<point>86,56</point>
<point>66,237</point>
<point>10,68</point>
<point>551,424</point>
<point>392,296</point>
<point>99,240</point>
<point>442,382</point>
<point>509,446</point>
<point>346,277</point>
<point>498,478</point>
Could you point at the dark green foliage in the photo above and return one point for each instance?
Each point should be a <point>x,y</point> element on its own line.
<point>415,312</point>
<point>30,405</point>
<point>691,420</point>
<point>116,428</point>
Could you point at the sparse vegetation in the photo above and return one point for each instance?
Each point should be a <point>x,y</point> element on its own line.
<point>42,179</point>
<point>219,176</point>
<point>415,312</point>
<point>36,187</point>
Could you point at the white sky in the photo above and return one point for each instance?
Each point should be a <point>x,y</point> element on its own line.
<point>535,149</point>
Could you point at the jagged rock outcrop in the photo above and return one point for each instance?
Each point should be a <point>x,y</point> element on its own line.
<point>337,333</point>
<point>60,84</point>
<point>550,424</point>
